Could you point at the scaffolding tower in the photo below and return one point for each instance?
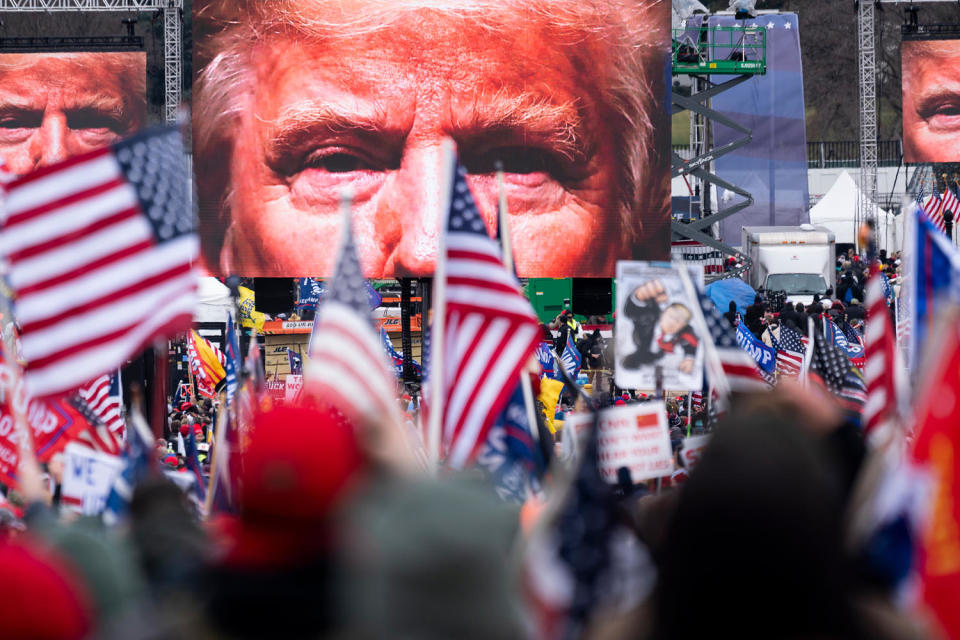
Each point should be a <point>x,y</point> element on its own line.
<point>701,52</point>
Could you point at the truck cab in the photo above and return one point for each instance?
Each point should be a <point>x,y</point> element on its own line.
<point>800,261</point>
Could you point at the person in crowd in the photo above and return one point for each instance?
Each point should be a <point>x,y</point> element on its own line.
<point>754,316</point>
<point>855,310</point>
<point>566,325</point>
<point>731,314</point>
<point>568,96</point>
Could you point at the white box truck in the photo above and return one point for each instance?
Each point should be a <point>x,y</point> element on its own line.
<point>800,261</point>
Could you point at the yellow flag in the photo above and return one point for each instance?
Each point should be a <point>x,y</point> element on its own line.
<point>250,318</point>
<point>550,395</point>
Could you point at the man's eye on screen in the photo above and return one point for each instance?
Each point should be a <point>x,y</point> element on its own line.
<point>96,121</point>
<point>515,160</point>
<point>942,114</point>
<point>340,162</point>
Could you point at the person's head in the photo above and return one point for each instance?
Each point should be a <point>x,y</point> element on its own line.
<point>674,318</point>
<point>769,316</point>
<point>930,129</point>
<point>295,101</point>
<point>799,307</point>
<point>757,299</point>
<point>299,465</point>
<point>57,105</point>
<point>788,306</point>
<point>732,307</point>
<point>762,469</point>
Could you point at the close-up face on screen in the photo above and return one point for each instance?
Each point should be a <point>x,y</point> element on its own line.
<point>931,101</point>
<point>296,101</point>
<point>57,105</point>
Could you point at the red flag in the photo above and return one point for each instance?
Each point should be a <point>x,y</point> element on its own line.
<point>937,448</point>
<point>100,249</point>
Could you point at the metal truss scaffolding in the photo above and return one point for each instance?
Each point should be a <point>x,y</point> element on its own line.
<point>868,111</point>
<point>172,34</point>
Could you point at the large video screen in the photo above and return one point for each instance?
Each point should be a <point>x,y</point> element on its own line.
<point>56,105</point>
<point>931,100</point>
<point>295,101</point>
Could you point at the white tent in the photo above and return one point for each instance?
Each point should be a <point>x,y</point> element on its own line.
<point>213,301</point>
<point>837,211</point>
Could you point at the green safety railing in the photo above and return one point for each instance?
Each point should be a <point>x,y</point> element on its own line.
<point>720,50</point>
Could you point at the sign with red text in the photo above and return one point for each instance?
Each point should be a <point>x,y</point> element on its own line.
<point>276,389</point>
<point>294,386</point>
<point>634,436</point>
<point>692,450</point>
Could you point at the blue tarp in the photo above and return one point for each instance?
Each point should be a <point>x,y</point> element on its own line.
<point>723,291</point>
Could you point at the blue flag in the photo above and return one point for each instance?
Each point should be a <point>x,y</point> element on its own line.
<point>395,356</point>
<point>570,359</point>
<point>932,275</point>
<point>764,356</point>
<point>510,456</point>
<point>296,362</point>
<point>834,335</point>
<point>193,464</point>
<point>545,356</point>
<point>137,459</point>
<point>309,292</point>
<point>232,350</point>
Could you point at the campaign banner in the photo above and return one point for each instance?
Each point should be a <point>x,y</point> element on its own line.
<point>88,476</point>
<point>764,356</point>
<point>692,450</point>
<point>294,384</point>
<point>634,436</point>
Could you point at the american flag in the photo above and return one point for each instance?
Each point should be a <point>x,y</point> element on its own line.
<point>97,435</point>
<point>934,207</point>
<point>347,366</point>
<point>790,349</point>
<point>104,397</point>
<point>696,401</point>
<point>100,249</point>
<point>741,370</point>
<point>950,203</point>
<point>585,562</point>
<point>878,371</point>
<point>490,330</point>
<point>832,369</point>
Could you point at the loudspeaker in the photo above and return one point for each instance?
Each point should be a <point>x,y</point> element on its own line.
<point>592,296</point>
<point>274,295</point>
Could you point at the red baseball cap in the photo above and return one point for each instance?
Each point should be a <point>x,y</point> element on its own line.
<point>300,462</point>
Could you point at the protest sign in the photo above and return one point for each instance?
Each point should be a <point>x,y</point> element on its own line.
<point>692,450</point>
<point>634,436</point>
<point>654,328</point>
<point>276,389</point>
<point>764,356</point>
<point>88,476</point>
<point>294,384</point>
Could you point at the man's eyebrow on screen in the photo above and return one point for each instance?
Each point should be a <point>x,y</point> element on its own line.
<point>527,118</point>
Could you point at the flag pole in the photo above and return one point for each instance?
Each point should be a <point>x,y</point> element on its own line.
<point>218,439</point>
<point>438,328</point>
<point>808,354</point>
